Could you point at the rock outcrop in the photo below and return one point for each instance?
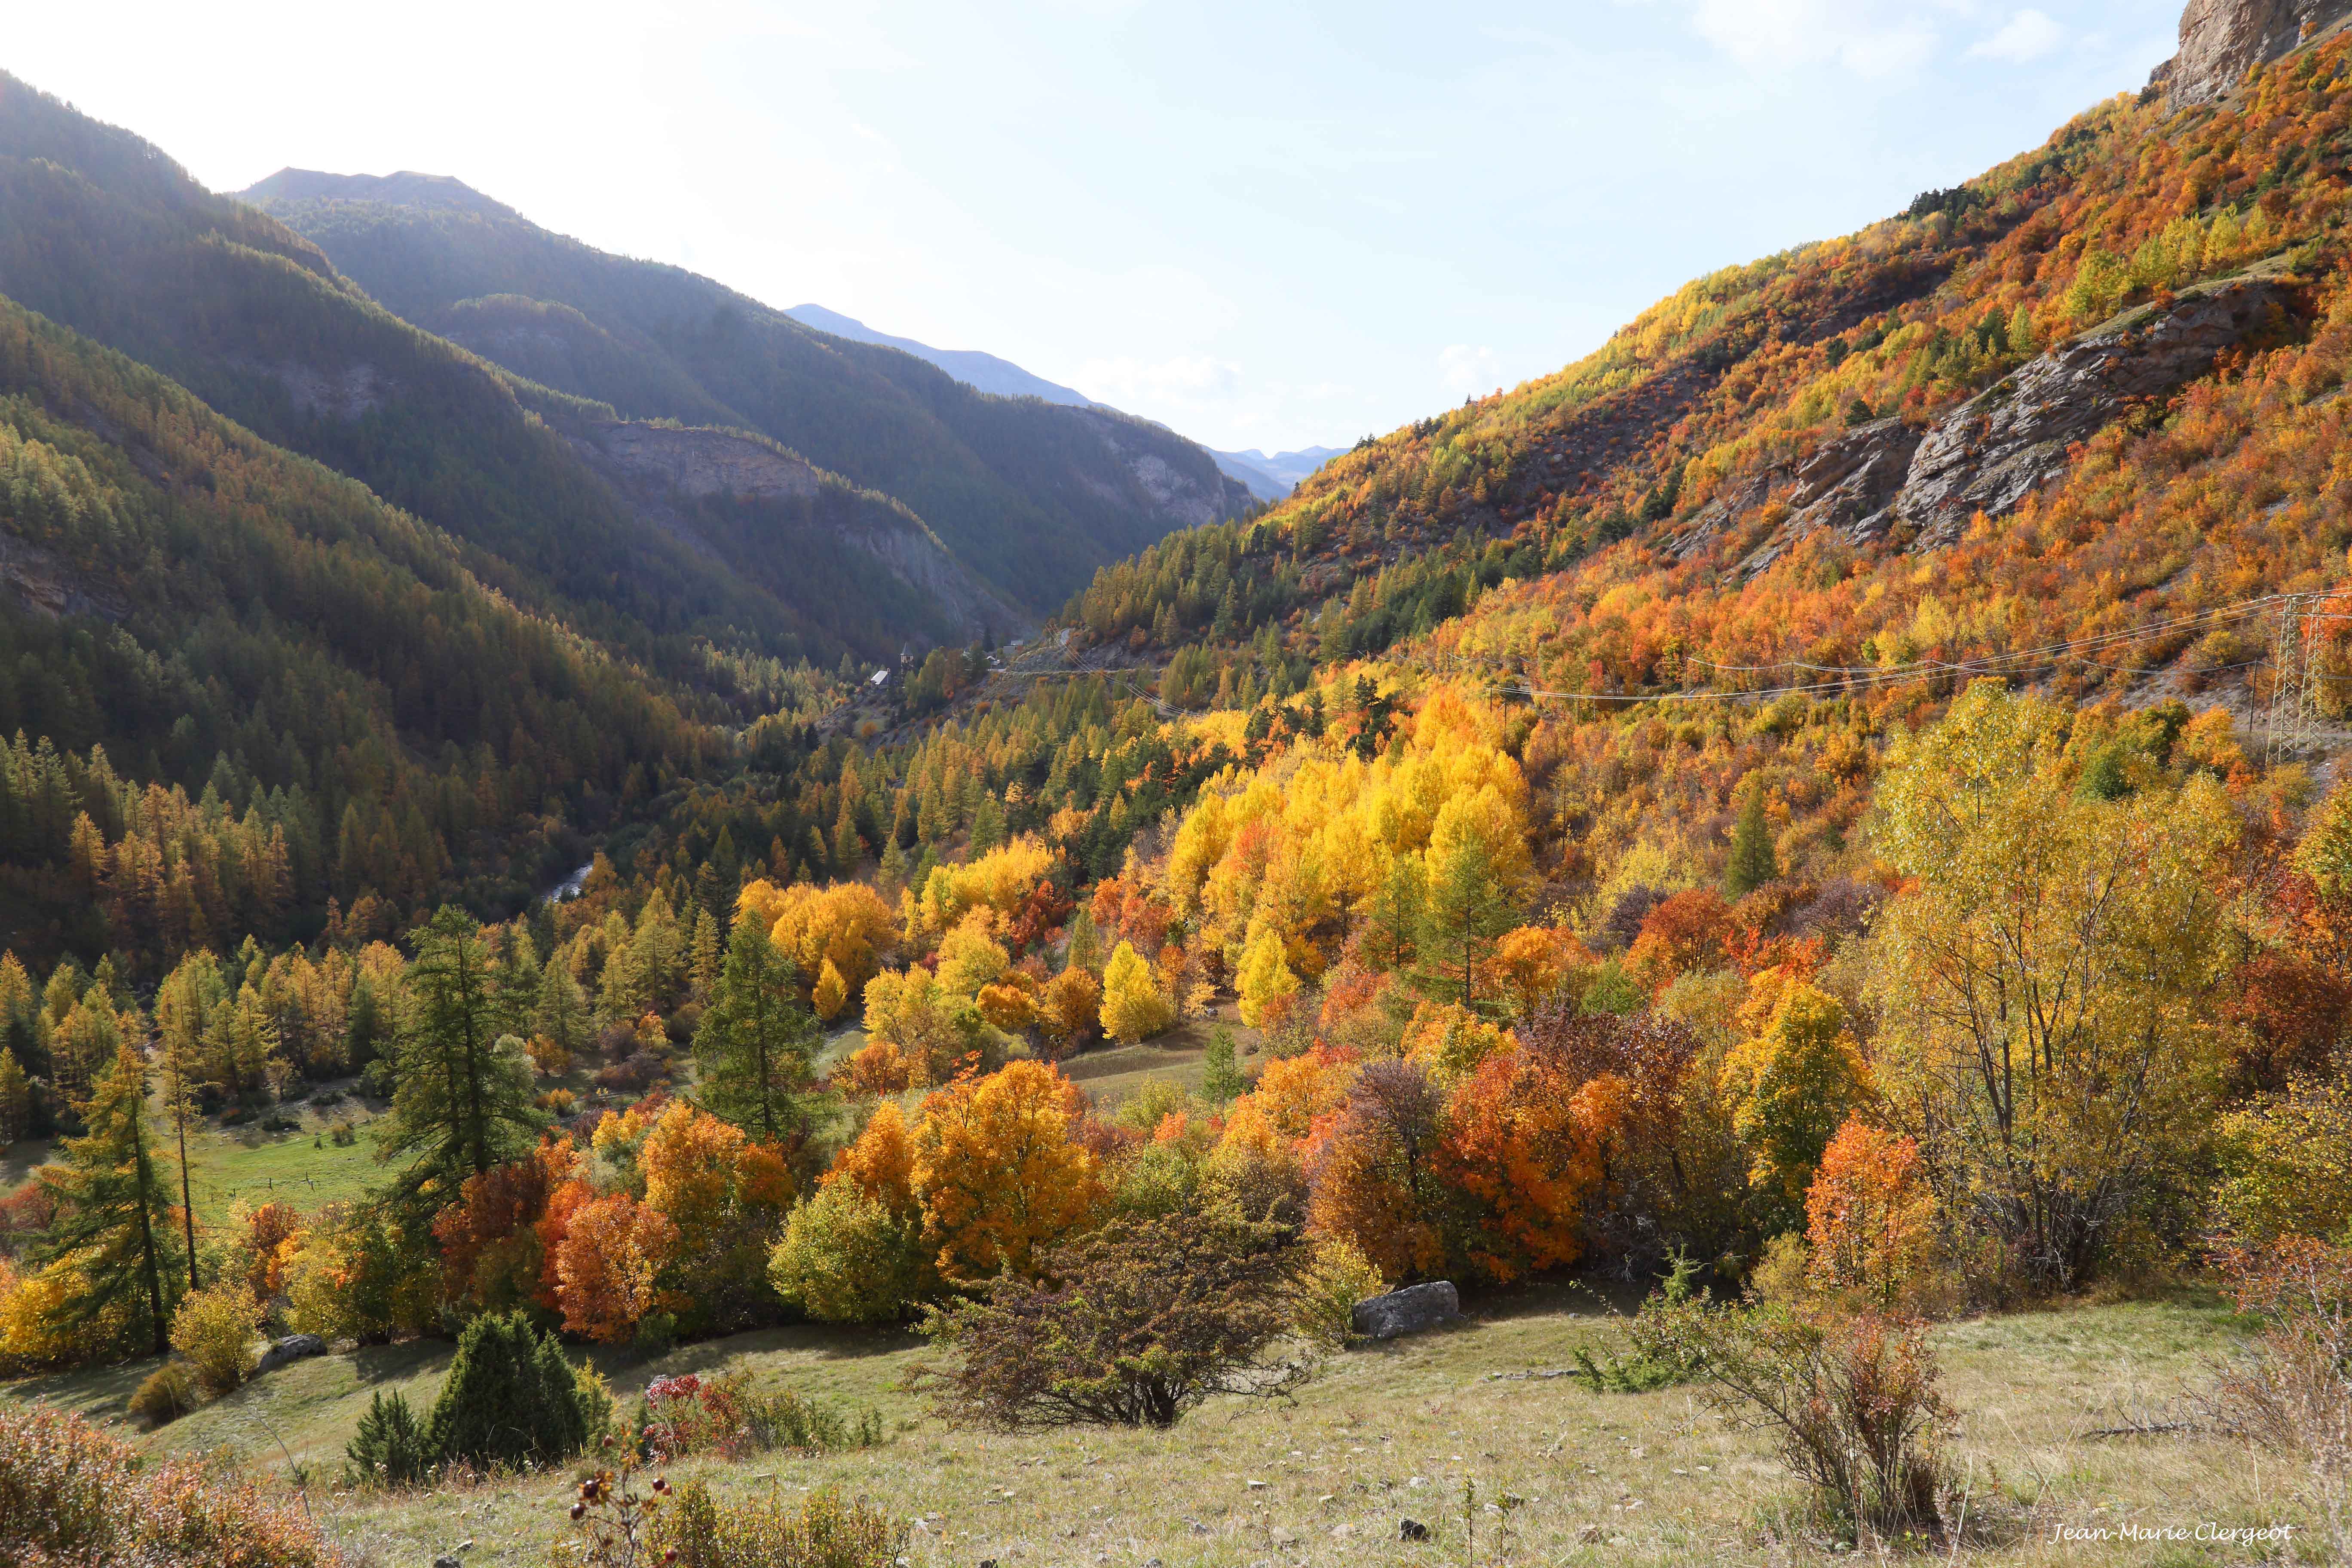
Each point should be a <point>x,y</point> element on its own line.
<point>653,464</point>
<point>2221,40</point>
<point>1989,453</point>
<point>1412,1311</point>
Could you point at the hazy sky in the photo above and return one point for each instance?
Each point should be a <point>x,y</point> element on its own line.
<point>1264,224</point>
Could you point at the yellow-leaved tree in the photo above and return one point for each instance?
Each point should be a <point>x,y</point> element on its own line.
<point>1133,1007</point>
<point>2047,985</point>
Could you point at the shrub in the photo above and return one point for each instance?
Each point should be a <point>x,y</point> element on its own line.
<point>510,1399</point>
<point>164,1394</point>
<point>846,1257</point>
<point>1340,1277</point>
<point>1146,1318</point>
<point>1660,1359</point>
<point>215,1329</point>
<point>818,1531</point>
<point>391,1448</point>
<point>1851,1400</point>
<point>70,1494</point>
<point>725,1415</point>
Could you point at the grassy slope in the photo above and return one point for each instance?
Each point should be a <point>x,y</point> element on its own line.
<point>1346,1455</point>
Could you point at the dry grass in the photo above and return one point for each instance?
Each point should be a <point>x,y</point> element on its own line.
<point>1388,1433</point>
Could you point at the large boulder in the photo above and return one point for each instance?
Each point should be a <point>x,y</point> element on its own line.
<point>1412,1311</point>
<point>292,1348</point>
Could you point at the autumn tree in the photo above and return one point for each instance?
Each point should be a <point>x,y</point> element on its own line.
<point>1373,1172</point>
<point>755,1040</point>
<point>725,1196</point>
<point>1134,1008</point>
<point>1793,1081</point>
<point>997,1172</point>
<point>111,1245</point>
<point>1870,1217</point>
<point>605,1266</point>
<point>15,1099</point>
<point>2047,986</point>
<point>1527,1143</point>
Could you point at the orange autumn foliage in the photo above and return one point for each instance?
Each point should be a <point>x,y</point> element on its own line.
<point>491,1254</point>
<point>881,1163</point>
<point>998,1174</point>
<point>605,1267</point>
<point>1527,1143</point>
<point>267,1230</point>
<point>1870,1216</point>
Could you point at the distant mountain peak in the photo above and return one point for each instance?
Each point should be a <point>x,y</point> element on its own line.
<point>984,372</point>
<point>406,189</point>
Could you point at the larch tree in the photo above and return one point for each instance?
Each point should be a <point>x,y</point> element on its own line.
<point>463,1100</point>
<point>1468,907</point>
<point>755,1040</point>
<point>111,1239</point>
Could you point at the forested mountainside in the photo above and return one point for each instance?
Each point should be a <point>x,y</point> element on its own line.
<point>104,233</point>
<point>1034,496</point>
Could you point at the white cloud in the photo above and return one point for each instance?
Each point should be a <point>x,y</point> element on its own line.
<point>1868,37</point>
<point>2027,36</point>
<point>1473,372</point>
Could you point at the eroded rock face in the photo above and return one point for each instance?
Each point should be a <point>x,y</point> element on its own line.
<point>705,462</point>
<point>2220,39</point>
<point>1995,449</point>
<point>1847,485</point>
<point>1414,1310</point>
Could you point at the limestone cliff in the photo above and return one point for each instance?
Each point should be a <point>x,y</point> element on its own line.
<point>2220,39</point>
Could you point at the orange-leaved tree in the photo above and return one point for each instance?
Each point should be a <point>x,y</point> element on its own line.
<point>997,1171</point>
<point>1870,1216</point>
<point>1527,1142</point>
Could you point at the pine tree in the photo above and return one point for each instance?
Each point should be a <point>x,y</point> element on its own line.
<point>755,1040</point>
<point>510,1399</point>
<point>1222,1081</point>
<point>1753,862</point>
<point>563,1014</point>
<point>1467,907</point>
<point>181,1071</point>
<point>114,1225</point>
<point>705,955</point>
<point>463,1103</point>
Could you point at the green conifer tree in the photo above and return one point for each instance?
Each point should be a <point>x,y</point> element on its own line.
<point>1221,1081</point>
<point>755,1040</point>
<point>1753,862</point>
<point>462,1103</point>
<point>1465,908</point>
<point>114,1225</point>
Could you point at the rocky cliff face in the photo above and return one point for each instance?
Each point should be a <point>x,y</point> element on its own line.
<point>1920,487</point>
<point>2220,39</point>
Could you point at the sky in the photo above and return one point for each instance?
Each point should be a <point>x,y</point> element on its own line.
<point>1266,226</point>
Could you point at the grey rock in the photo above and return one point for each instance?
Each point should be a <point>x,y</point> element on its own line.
<point>1412,1311</point>
<point>1991,452</point>
<point>1846,484</point>
<point>2222,39</point>
<point>292,1348</point>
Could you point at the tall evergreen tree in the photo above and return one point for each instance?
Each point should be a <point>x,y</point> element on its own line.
<point>1753,862</point>
<point>755,1040</point>
<point>114,1225</point>
<point>562,1011</point>
<point>1466,907</point>
<point>463,1099</point>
